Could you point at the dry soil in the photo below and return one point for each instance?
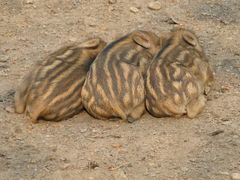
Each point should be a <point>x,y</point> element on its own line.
<point>207,147</point>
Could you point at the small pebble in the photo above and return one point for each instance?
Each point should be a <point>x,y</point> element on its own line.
<point>134,9</point>
<point>235,136</point>
<point>153,175</point>
<point>226,122</point>
<point>94,130</point>
<point>117,145</point>
<point>224,89</point>
<point>120,175</point>
<point>224,119</point>
<point>92,165</point>
<point>72,39</point>
<point>9,109</point>
<point>65,166</point>
<point>184,169</point>
<point>29,1</point>
<point>217,132</point>
<point>83,130</point>
<point>152,164</point>
<point>224,173</point>
<point>112,1</point>
<point>154,5</point>
<point>92,22</point>
<point>63,159</point>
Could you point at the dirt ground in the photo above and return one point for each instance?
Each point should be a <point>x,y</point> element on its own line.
<point>207,147</point>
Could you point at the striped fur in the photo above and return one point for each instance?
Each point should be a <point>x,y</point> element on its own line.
<point>114,87</point>
<point>52,90</point>
<point>178,77</point>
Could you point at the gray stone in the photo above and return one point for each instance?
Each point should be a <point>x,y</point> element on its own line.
<point>154,5</point>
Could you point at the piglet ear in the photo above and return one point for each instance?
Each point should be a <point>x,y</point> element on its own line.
<point>92,43</point>
<point>142,39</point>
<point>190,38</point>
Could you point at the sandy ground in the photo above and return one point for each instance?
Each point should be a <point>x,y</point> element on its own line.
<point>207,147</point>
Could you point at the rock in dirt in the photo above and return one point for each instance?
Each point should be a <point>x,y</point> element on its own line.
<point>154,5</point>
<point>29,2</point>
<point>236,176</point>
<point>134,9</point>
<point>217,132</point>
<point>90,21</point>
<point>112,1</point>
<point>120,175</point>
<point>92,165</point>
<point>83,130</point>
<point>224,173</point>
<point>117,146</point>
<point>171,20</point>
<point>224,89</point>
<point>10,109</point>
<point>65,166</point>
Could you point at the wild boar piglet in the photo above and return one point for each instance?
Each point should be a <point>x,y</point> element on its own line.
<point>114,87</point>
<point>52,89</point>
<point>179,77</point>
